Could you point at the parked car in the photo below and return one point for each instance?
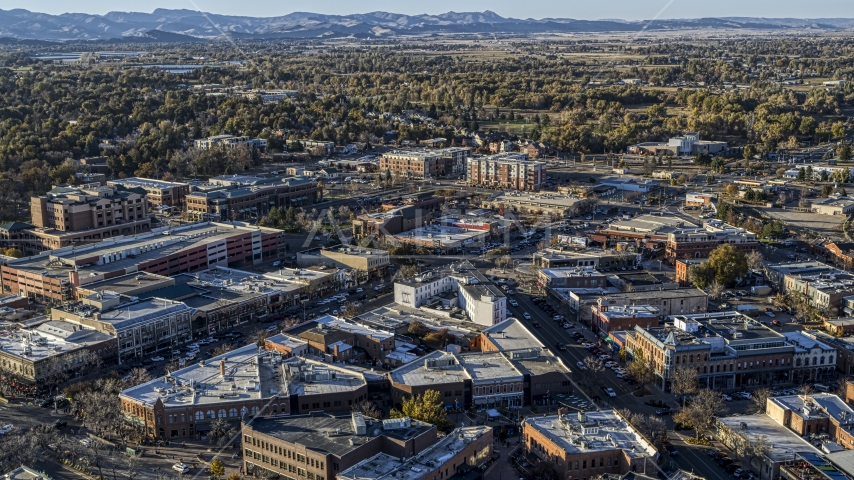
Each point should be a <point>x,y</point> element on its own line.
<point>580,365</point>
<point>59,424</point>
<point>610,391</point>
<point>526,315</point>
<point>181,468</point>
<point>664,411</point>
<point>561,346</point>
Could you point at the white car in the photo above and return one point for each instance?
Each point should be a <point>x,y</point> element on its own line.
<point>610,391</point>
<point>85,442</point>
<point>180,468</point>
<point>581,365</point>
<point>726,397</point>
<point>513,303</point>
<point>359,290</point>
<point>6,429</point>
<point>191,355</point>
<point>770,314</point>
<point>335,312</point>
<point>526,315</point>
<point>157,359</point>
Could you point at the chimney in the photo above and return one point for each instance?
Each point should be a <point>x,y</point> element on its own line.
<point>336,351</point>
<point>222,367</point>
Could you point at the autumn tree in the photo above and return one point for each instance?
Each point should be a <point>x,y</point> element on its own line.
<point>589,376</point>
<point>702,412</point>
<point>728,263</point>
<point>217,468</point>
<point>426,407</point>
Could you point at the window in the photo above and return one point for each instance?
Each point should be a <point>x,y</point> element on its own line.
<point>221,413</point>
<point>232,413</point>
<point>200,415</point>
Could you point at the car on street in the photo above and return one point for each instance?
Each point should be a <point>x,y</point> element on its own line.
<point>671,449</point>
<point>664,411</point>
<point>157,359</point>
<point>770,314</point>
<point>610,391</point>
<point>536,324</point>
<point>526,315</point>
<point>580,365</point>
<point>6,429</point>
<point>181,468</point>
<point>59,424</point>
<point>513,303</point>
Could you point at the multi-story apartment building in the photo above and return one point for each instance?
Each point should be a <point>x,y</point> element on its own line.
<point>454,160</point>
<point>141,328</point>
<point>164,251</point>
<point>82,215</point>
<point>729,350</point>
<point>241,384</point>
<point>253,200</point>
<point>588,444</point>
<point>412,163</point>
<point>158,192</point>
<point>698,242</point>
<point>228,141</point>
<point>324,447</point>
<point>509,170</point>
<point>483,302</point>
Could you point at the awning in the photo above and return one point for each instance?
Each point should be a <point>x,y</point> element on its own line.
<point>480,401</point>
<point>254,208</point>
<point>242,210</point>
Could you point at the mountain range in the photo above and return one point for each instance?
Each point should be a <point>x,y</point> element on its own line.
<point>168,25</point>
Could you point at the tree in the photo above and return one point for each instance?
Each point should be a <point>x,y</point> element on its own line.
<point>759,399</point>
<point>351,310</point>
<point>755,260</point>
<point>716,289</point>
<point>728,263</point>
<point>504,262</point>
<point>641,370</point>
<point>405,272</point>
<point>701,276</point>
<point>222,349</point>
<point>258,337</point>
<point>732,189</point>
<point>774,229</point>
<point>217,468</point>
<point>757,447</point>
<point>702,412</point>
<point>684,382</point>
<point>426,407</point>
<point>417,329</point>
<point>438,338</point>
<point>589,376</point>
<point>843,151</point>
<point>221,432</point>
<point>368,409</point>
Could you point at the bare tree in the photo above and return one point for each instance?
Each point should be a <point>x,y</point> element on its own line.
<point>137,376</point>
<point>759,399</point>
<point>222,349</point>
<point>351,310</point>
<point>757,447</point>
<point>589,376</point>
<point>684,380</point>
<point>641,370</point>
<point>368,409</point>
<point>755,260</point>
<point>258,337</point>
<point>701,414</point>
<point>221,431</point>
<point>716,289</point>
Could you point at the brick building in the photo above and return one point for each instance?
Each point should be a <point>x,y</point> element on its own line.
<point>571,277</point>
<point>608,317</point>
<point>588,444</point>
<point>158,192</point>
<point>508,170</point>
<point>252,198</point>
<point>814,414</point>
<point>700,241</point>
<point>682,267</point>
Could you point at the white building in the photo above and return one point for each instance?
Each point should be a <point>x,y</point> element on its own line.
<point>836,205</point>
<point>228,141</point>
<point>467,289</point>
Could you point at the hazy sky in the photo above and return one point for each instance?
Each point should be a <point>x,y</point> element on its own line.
<point>583,9</point>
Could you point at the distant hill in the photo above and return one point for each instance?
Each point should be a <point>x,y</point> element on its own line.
<point>165,25</point>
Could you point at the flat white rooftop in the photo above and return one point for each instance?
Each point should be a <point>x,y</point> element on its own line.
<point>594,432</point>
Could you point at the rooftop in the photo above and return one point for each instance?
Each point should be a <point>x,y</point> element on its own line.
<point>552,200</point>
<point>442,234</point>
<point>327,435</point>
<point>633,311</point>
<point>49,339</point>
<point>127,315</point>
<point>649,224</point>
<point>599,431</point>
<point>511,334</point>
<point>488,367</point>
<point>129,283</point>
<point>569,272</point>
<point>310,377</point>
<point>146,183</point>
<point>785,441</point>
<point>383,465</point>
<point>434,368</point>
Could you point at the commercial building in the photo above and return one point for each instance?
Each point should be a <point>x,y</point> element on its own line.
<point>83,215</point>
<point>229,141</point>
<point>325,447</point>
<point>571,277</point>
<point>694,199</point>
<point>683,265</point>
<point>463,287</point>
<point>457,454</point>
<point>318,147</point>
<point>687,144</point>
<point>824,286</point>
<point>644,227</point>
<point>813,360</point>
<point>449,239</point>
<point>608,318</point>
<point>366,263</point>
<point>604,260</point>
<point>588,444</point>
<point>781,461</point>
<point>700,241</point>
<point>629,184</point>
<point>251,199</point>
<point>732,350</point>
<point>815,414</point>
<point>142,328</point>
<point>409,213</point>
<point>236,386</point>
<point>52,350</point>
<point>508,170</point>
<point>164,251</point>
<point>819,170</point>
<point>668,302</point>
<point>836,205</point>
<point>341,341</point>
<point>158,192</point>
<point>514,201</point>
